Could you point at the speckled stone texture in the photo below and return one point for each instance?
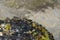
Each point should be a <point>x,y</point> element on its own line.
<point>50,18</point>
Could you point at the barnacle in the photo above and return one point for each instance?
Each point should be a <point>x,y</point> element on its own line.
<point>28,30</point>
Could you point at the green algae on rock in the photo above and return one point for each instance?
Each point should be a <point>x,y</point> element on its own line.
<point>24,29</point>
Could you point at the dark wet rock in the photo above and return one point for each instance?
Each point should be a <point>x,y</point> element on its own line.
<point>28,30</point>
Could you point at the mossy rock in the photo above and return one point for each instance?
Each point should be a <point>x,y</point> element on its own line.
<point>30,30</point>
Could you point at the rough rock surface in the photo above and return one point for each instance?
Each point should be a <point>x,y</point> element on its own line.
<point>50,18</point>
